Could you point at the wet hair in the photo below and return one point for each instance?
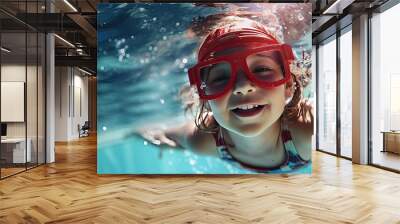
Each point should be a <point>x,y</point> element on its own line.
<point>297,108</point>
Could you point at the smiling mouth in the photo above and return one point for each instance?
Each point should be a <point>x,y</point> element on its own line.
<point>249,110</point>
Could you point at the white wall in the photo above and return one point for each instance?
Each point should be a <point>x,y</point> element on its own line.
<point>71,93</point>
<point>17,73</point>
<point>11,73</point>
<point>61,103</point>
<point>80,110</point>
<point>12,101</point>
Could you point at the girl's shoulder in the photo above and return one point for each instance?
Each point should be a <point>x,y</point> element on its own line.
<point>202,141</point>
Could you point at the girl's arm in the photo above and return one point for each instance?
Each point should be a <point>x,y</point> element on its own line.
<point>186,136</point>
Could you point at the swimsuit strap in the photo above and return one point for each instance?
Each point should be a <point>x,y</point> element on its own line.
<point>292,158</point>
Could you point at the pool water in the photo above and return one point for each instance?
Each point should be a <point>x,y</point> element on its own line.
<point>134,155</point>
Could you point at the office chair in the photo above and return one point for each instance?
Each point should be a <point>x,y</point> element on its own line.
<point>84,130</point>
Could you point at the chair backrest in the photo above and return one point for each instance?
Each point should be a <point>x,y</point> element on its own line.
<point>86,125</point>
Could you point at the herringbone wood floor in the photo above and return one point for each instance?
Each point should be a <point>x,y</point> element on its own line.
<point>70,191</point>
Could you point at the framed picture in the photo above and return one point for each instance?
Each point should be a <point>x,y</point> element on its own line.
<point>204,88</point>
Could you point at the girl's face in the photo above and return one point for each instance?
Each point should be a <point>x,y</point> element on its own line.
<point>247,109</point>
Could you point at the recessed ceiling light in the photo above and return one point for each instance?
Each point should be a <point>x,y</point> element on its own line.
<point>70,5</point>
<point>64,40</point>
<point>337,7</point>
<point>84,71</point>
<point>5,50</point>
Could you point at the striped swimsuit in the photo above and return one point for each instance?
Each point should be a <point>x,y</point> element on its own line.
<point>293,161</point>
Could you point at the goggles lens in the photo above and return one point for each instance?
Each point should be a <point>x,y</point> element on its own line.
<point>265,68</point>
<point>215,77</point>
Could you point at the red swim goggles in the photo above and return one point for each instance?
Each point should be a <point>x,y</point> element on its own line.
<point>264,61</point>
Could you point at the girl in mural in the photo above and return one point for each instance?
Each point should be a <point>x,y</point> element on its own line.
<point>249,106</point>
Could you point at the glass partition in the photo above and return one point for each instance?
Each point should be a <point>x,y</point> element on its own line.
<point>13,105</point>
<point>22,77</point>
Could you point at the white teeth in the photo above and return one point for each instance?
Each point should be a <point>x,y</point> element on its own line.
<point>247,107</point>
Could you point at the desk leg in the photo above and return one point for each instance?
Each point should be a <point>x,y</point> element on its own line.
<point>384,142</point>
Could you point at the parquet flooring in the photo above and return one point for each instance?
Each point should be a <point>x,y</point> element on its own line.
<point>387,159</point>
<point>70,191</point>
<point>10,171</point>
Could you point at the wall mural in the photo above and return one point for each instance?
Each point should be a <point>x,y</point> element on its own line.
<point>204,88</point>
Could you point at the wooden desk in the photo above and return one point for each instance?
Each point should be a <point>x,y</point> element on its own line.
<point>391,141</point>
<point>17,150</point>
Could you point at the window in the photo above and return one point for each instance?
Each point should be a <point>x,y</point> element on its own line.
<point>385,87</point>
<point>346,93</point>
<point>327,96</point>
